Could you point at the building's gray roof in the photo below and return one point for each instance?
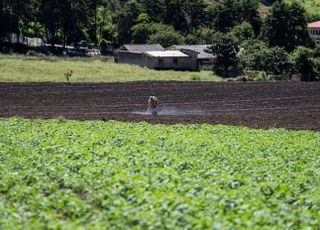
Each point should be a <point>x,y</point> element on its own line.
<point>201,49</point>
<point>136,48</point>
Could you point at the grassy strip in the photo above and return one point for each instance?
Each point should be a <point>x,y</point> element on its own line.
<point>51,69</point>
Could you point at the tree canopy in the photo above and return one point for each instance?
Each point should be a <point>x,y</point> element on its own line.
<point>286,26</point>
<point>128,21</point>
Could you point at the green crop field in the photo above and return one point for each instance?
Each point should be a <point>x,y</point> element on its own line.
<point>14,68</point>
<point>111,175</point>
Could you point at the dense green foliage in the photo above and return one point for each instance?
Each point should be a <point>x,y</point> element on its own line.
<point>107,21</point>
<point>232,12</point>
<point>69,175</point>
<point>305,63</point>
<point>226,50</point>
<point>286,26</point>
<point>256,55</point>
<point>115,21</point>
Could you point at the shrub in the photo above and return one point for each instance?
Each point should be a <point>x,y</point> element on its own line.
<point>204,36</point>
<point>243,32</point>
<point>141,33</point>
<point>306,64</point>
<point>226,49</point>
<point>254,75</point>
<point>256,55</point>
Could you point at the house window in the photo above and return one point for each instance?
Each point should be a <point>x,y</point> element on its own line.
<point>175,61</point>
<point>160,61</point>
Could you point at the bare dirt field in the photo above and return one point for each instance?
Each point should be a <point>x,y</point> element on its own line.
<point>291,105</point>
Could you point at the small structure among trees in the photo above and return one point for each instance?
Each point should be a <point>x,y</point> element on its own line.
<point>133,53</point>
<point>154,56</point>
<point>171,59</point>
<point>205,59</point>
<point>314,30</point>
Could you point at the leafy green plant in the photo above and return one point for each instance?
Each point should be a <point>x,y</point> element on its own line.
<point>111,175</point>
<point>68,75</point>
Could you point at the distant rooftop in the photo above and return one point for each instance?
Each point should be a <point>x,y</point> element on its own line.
<point>314,25</point>
<point>201,49</point>
<point>141,48</point>
<point>167,53</point>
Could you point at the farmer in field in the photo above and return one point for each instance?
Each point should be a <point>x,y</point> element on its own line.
<point>152,105</point>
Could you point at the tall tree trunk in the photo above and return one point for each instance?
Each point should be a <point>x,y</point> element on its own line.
<point>16,16</point>
<point>95,22</point>
<point>1,19</point>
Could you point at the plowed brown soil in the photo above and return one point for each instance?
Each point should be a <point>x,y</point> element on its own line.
<point>292,105</point>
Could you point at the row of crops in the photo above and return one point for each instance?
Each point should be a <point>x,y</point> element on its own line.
<point>113,175</point>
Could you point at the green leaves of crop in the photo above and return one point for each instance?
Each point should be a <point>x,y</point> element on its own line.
<point>68,175</point>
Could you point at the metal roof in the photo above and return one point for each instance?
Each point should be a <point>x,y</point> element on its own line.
<point>167,53</point>
<point>314,25</point>
<point>200,49</point>
<point>141,48</point>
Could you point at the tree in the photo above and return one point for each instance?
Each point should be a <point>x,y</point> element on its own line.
<point>165,35</point>
<point>204,36</point>
<point>16,14</point>
<point>106,30</point>
<point>185,15</point>
<point>306,64</point>
<point>126,18</point>
<point>191,39</point>
<point>226,49</point>
<point>243,32</point>
<point>155,9</point>
<point>256,55</point>
<point>230,13</point>
<point>142,31</point>
<point>65,21</point>
<point>286,26</point>
<point>252,56</point>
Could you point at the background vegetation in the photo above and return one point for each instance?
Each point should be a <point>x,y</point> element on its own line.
<point>123,21</point>
<point>280,27</point>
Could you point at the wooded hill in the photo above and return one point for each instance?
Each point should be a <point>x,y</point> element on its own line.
<point>130,21</point>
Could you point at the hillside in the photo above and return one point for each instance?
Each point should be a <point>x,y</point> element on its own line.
<point>312,6</point>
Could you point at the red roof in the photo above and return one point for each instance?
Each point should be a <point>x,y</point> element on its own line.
<point>314,25</point>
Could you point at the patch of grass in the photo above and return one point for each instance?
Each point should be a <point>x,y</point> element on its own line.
<point>15,68</point>
<point>195,77</point>
<point>112,175</point>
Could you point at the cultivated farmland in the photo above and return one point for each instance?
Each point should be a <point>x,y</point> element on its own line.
<point>110,175</point>
<point>67,174</point>
<point>292,105</point>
